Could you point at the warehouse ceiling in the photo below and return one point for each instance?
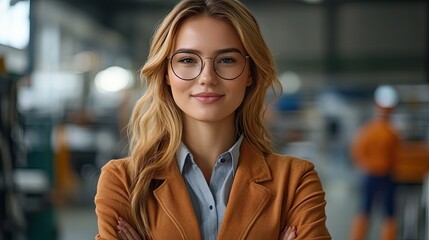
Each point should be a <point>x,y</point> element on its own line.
<point>127,17</point>
<point>106,12</point>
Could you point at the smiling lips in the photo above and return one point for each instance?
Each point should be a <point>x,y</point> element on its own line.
<point>207,97</point>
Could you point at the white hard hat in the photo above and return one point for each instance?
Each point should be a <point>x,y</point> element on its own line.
<point>386,96</point>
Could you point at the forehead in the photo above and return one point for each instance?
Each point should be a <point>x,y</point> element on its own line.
<point>207,34</point>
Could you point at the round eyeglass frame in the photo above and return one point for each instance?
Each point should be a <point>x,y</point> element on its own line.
<point>170,60</point>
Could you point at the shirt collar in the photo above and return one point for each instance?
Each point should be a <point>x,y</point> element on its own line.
<point>235,153</point>
<point>184,152</point>
<point>181,156</point>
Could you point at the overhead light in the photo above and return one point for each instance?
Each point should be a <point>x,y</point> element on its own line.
<point>113,79</point>
<point>291,82</point>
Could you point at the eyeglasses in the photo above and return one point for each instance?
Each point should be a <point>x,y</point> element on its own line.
<point>227,65</point>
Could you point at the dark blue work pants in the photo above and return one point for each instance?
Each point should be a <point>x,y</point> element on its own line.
<point>381,190</point>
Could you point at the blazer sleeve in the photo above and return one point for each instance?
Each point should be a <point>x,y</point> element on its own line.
<point>112,199</point>
<point>307,211</point>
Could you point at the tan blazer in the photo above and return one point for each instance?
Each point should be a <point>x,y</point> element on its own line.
<point>268,194</point>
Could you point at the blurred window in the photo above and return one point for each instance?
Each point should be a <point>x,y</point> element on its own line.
<point>14,23</point>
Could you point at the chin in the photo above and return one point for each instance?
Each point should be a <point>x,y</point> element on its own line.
<point>211,117</point>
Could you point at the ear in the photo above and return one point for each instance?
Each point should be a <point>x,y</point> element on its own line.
<point>249,80</point>
<point>167,78</point>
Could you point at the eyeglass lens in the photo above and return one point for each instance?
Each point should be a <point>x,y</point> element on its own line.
<point>188,65</point>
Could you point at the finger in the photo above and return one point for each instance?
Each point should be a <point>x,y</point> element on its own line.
<point>289,233</point>
<point>292,234</point>
<point>124,233</point>
<point>121,235</point>
<point>128,230</point>
<point>285,233</point>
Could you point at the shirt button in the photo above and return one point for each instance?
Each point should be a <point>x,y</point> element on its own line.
<point>211,207</point>
<point>222,160</point>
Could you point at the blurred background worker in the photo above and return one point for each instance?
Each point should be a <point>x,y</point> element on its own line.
<point>374,151</point>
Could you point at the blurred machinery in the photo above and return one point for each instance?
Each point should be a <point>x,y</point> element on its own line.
<point>26,176</point>
<point>412,175</point>
<point>12,223</point>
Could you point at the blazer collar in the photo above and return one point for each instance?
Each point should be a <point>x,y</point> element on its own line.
<point>173,198</point>
<point>247,198</point>
<point>253,165</point>
<point>252,162</point>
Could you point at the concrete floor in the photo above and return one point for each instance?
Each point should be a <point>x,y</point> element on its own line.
<point>76,223</point>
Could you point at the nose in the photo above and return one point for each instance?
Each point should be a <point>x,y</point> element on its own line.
<point>208,74</point>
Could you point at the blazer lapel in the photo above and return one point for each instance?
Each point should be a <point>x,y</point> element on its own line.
<point>248,197</point>
<point>173,199</point>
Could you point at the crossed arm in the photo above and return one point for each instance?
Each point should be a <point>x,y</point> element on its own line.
<point>126,232</point>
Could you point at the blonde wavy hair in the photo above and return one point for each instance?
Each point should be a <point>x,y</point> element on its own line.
<point>156,124</point>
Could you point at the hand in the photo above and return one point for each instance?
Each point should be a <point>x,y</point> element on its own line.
<point>289,233</point>
<point>126,232</point>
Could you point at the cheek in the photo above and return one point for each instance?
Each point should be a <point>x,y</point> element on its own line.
<point>178,87</point>
<point>238,93</point>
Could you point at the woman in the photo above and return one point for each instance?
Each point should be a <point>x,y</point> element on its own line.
<point>200,164</point>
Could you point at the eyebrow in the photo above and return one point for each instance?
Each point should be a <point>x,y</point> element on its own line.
<point>190,50</point>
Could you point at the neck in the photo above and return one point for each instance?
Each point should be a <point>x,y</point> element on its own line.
<point>207,141</point>
<point>383,116</point>
<point>383,113</point>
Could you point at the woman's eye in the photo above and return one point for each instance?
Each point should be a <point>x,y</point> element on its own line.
<point>187,60</point>
<point>227,60</point>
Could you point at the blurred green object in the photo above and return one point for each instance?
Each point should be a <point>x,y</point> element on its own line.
<point>39,207</point>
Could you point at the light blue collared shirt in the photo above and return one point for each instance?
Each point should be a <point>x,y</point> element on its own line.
<point>209,200</point>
